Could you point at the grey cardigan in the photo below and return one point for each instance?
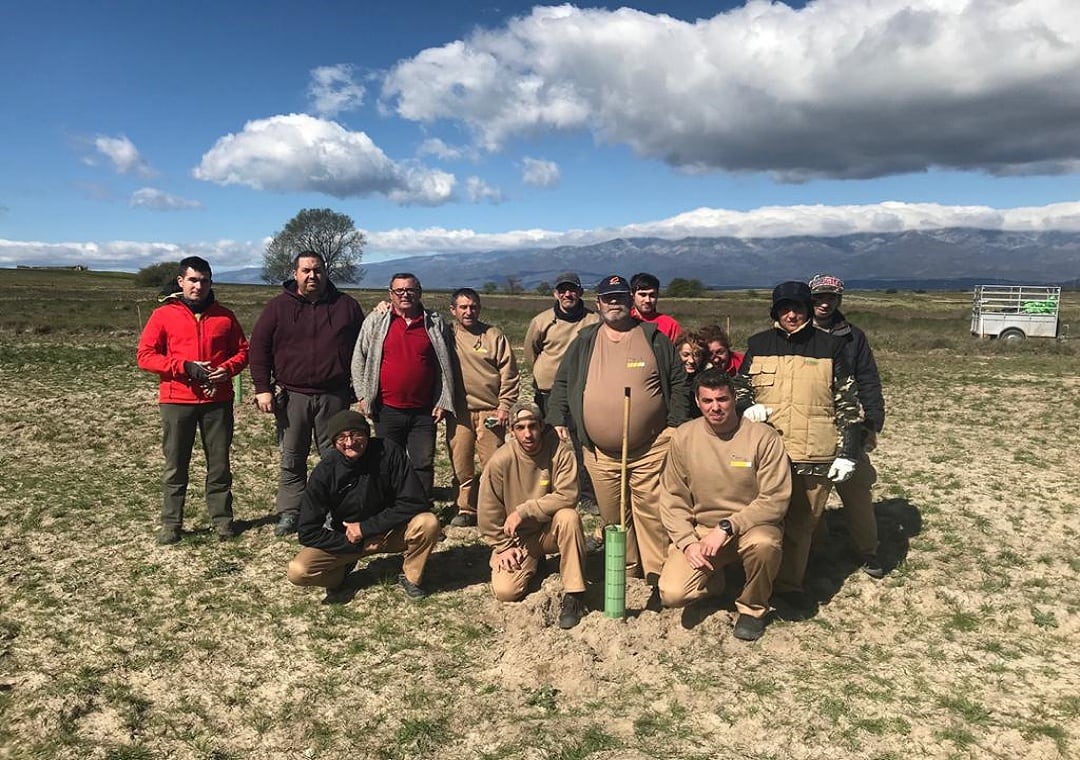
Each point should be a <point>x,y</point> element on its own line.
<point>367,359</point>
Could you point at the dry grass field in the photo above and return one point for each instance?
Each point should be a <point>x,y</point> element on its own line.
<point>114,647</point>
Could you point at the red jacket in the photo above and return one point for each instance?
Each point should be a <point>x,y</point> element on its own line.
<point>174,335</point>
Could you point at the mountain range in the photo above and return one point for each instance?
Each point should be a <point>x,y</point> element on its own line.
<point>935,259</point>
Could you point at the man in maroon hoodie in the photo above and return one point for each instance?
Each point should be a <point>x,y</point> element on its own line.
<point>300,352</point>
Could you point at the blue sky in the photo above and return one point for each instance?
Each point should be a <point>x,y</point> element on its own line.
<point>135,132</point>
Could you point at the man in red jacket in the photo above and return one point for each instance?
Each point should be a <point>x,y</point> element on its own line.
<point>301,347</point>
<point>195,345</point>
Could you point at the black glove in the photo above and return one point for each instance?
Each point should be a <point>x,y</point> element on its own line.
<point>196,371</point>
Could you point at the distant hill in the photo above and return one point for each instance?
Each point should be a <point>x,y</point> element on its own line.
<point>948,258</point>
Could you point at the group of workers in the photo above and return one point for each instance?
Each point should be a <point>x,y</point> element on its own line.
<point>726,458</point>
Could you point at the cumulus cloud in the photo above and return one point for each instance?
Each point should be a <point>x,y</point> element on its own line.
<point>130,256</point>
<point>476,190</point>
<point>332,90</point>
<point>159,200</point>
<point>838,88</point>
<point>540,173</point>
<point>767,221</point>
<point>433,146</point>
<point>122,154</point>
<point>300,153</point>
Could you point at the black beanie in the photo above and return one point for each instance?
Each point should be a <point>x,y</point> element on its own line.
<point>347,419</point>
<point>792,290</point>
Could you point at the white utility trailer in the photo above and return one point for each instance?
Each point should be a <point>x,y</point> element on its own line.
<point>1016,312</point>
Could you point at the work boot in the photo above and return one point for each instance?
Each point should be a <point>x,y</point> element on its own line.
<point>169,534</point>
<point>871,565</point>
<point>412,590</point>
<point>286,524</point>
<point>654,604</point>
<point>463,520</point>
<point>572,610</point>
<point>748,628</point>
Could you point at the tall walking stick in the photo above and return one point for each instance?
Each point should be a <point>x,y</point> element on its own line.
<point>615,535</point>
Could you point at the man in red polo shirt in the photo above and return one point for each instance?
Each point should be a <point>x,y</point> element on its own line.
<point>646,290</point>
<point>403,376</point>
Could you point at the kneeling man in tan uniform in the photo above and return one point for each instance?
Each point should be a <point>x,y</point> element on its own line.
<point>724,495</point>
<point>527,509</point>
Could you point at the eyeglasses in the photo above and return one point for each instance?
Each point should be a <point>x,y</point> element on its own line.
<point>615,298</point>
<point>399,292</point>
<point>352,435</point>
<point>566,288</point>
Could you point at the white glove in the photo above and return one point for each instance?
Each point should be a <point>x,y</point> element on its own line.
<point>841,469</point>
<point>757,413</point>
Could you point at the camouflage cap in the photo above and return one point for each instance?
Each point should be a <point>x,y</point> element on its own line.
<point>524,410</point>
<point>826,283</point>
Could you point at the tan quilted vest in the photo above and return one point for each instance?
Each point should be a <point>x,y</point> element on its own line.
<point>799,391</point>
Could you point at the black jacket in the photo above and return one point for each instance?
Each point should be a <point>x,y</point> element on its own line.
<point>380,491</point>
<point>861,359</point>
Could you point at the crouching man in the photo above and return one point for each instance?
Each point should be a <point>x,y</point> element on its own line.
<point>527,509</point>
<point>724,494</point>
<point>363,498</point>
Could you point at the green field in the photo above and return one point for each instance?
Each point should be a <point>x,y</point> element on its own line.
<point>114,647</point>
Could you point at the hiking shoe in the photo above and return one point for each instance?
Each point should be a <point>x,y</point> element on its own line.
<point>748,628</point>
<point>412,590</point>
<point>463,520</point>
<point>169,534</point>
<point>286,524</point>
<point>571,611</point>
<point>871,565</point>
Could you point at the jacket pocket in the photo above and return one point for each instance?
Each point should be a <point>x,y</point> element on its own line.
<point>763,371</point>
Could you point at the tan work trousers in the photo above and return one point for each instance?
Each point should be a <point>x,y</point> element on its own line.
<point>646,538</point>
<point>564,535</point>
<point>466,437</point>
<point>415,539</point>
<point>809,493</point>
<point>758,549</point>
<point>858,499</point>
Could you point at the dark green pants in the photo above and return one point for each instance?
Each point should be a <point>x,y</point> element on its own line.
<point>178,425</point>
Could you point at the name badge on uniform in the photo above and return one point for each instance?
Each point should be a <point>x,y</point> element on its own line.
<point>745,463</point>
<point>480,350</point>
<point>810,360</point>
<point>635,364</point>
<point>545,482</point>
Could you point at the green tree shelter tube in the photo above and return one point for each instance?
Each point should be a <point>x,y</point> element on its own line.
<point>614,571</point>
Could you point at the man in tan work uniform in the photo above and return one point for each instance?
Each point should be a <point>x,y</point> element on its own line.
<point>624,353</point>
<point>488,388</point>
<point>548,336</point>
<point>723,497</point>
<point>528,495</point>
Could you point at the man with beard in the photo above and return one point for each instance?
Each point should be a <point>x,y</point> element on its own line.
<point>797,378</point>
<point>528,494</point>
<point>724,493</point>
<point>827,291</point>
<point>301,348</point>
<point>362,498</point>
<point>194,345</point>
<point>622,352</point>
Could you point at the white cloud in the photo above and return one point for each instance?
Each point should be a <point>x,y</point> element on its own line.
<point>125,255</point>
<point>159,200</point>
<point>767,221</point>
<point>122,154</point>
<point>540,173</point>
<point>300,153</point>
<point>433,146</point>
<point>332,90</point>
<point>476,190</point>
<point>838,88</point>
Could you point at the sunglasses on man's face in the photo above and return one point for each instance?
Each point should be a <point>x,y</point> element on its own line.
<point>400,292</point>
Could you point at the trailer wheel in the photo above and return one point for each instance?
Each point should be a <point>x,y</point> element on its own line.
<point>1012,335</point>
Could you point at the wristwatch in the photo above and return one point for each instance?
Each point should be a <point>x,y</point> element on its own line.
<point>726,526</point>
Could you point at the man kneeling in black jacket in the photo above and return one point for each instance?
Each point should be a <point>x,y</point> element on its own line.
<point>363,498</point>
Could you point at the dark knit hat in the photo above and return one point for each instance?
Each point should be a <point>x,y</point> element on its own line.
<point>791,290</point>
<point>347,419</point>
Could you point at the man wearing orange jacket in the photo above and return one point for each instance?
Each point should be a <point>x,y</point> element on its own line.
<point>195,346</point>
